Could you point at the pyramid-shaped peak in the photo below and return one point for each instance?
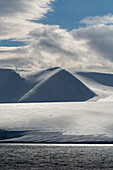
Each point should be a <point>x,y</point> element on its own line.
<point>57,85</point>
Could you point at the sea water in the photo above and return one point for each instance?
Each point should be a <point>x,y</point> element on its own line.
<point>56,157</point>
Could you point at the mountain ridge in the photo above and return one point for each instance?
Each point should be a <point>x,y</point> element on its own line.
<point>51,85</point>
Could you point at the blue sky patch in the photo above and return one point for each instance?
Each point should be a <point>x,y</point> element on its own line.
<point>11,43</point>
<point>68,13</point>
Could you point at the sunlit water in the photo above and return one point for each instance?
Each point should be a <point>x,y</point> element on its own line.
<point>56,157</point>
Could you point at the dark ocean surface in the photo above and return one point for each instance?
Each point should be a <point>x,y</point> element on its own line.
<point>56,157</point>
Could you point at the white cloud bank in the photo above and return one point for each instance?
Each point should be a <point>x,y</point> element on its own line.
<point>15,16</point>
<point>86,48</point>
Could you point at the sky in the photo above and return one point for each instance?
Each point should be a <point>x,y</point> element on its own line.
<point>73,34</point>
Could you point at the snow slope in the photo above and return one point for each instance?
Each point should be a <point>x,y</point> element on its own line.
<point>100,83</point>
<point>101,78</point>
<point>57,122</point>
<point>12,86</point>
<point>51,85</point>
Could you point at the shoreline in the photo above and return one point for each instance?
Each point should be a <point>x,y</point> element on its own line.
<point>59,143</point>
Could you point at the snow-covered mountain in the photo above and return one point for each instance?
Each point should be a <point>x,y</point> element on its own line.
<point>87,122</point>
<point>51,85</point>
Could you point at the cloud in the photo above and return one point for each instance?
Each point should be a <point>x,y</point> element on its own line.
<point>52,46</point>
<point>15,16</point>
<point>84,49</point>
<point>24,9</point>
<point>98,20</point>
<point>99,39</point>
<point>49,46</point>
<point>88,48</point>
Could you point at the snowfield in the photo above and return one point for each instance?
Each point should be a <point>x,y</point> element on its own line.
<point>90,119</point>
<point>57,122</point>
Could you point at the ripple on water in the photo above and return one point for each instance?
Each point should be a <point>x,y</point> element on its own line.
<point>59,157</point>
